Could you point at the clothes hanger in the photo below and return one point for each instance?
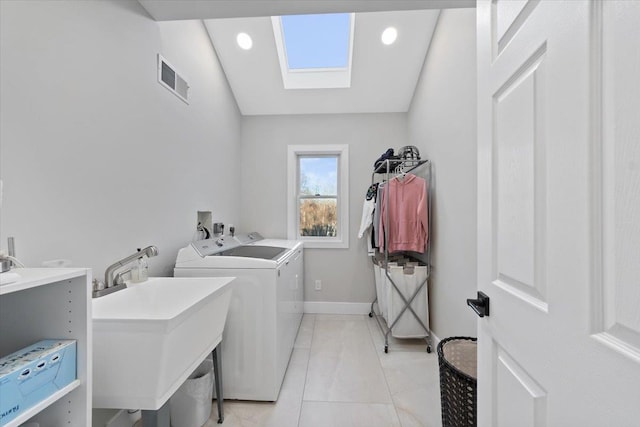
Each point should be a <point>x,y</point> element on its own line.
<point>401,174</point>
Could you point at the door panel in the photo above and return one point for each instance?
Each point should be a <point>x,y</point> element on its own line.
<point>518,163</point>
<point>559,213</point>
<point>617,313</point>
<point>508,17</point>
<point>524,400</point>
<point>506,12</point>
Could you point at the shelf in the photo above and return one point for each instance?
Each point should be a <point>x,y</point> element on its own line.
<point>34,277</point>
<point>35,410</point>
<point>51,303</point>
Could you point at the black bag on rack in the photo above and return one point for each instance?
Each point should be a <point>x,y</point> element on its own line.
<point>393,162</point>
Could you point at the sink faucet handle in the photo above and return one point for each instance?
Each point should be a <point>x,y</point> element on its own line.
<point>110,272</point>
<point>118,280</point>
<point>97,285</point>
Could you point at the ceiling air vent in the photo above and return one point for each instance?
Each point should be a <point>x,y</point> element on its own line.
<point>169,78</point>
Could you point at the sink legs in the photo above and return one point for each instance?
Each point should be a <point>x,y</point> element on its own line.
<point>158,418</point>
<point>217,373</point>
<point>162,417</point>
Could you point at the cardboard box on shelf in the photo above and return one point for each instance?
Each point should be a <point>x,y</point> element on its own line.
<point>34,373</point>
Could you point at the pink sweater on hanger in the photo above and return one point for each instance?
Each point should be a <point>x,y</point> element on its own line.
<point>408,217</point>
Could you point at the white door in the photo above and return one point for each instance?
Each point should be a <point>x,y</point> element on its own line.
<point>559,213</point>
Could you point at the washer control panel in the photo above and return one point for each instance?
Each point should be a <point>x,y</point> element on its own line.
<point>216,245</point>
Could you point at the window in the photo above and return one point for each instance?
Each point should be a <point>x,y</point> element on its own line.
<point>316,41</point>
<point>315,51</point>
<point>318,199</point>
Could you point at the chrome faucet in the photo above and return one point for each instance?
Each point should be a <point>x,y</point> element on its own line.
<point>109,273</point>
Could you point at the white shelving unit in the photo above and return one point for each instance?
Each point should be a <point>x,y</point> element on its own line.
<point>51,303</point>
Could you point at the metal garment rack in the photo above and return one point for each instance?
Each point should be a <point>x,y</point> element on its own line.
<point>403,167</point>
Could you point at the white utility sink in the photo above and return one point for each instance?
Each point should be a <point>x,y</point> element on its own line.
<point>148,338</point>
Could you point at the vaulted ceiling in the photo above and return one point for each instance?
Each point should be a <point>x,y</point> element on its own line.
<point>383,77</point>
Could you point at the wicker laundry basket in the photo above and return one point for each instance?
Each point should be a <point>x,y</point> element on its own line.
<point>457,358</point>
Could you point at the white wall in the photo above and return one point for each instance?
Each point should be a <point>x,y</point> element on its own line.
<point>96,157</point>
<point>442,124</point>
<point>346,274</point>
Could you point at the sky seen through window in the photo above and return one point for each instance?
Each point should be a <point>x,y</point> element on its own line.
<point>317,41</point>
<point>319,175</point>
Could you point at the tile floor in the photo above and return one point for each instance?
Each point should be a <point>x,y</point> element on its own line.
<point>339,376</point>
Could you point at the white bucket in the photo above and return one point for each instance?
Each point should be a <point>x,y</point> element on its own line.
<point>190,405</point>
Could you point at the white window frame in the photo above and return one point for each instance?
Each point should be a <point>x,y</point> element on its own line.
<point>293,210</point>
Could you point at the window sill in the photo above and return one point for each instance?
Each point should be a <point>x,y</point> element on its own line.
<point>310,243</point>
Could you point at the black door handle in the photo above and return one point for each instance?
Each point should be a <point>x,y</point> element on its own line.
<point>480,305</point>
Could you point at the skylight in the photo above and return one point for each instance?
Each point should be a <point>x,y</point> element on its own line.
<point>317,41</point>
<point>314,51</point>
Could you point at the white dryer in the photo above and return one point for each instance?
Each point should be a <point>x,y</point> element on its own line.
<point>265,310</point>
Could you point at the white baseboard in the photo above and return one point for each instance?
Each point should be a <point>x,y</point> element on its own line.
<point>321,307</point>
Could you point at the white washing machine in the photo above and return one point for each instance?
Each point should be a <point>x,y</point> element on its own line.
<point>265,311</point>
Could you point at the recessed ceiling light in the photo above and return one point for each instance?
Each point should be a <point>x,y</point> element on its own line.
<point>389,35</point>
<point>244,41</point>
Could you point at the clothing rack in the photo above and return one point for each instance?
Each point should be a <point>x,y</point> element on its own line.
<point>403,167</point>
